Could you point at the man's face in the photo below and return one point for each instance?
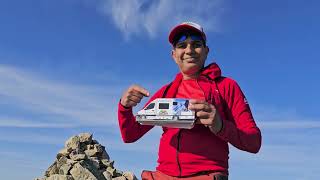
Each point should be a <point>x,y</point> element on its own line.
<point>190,55</point>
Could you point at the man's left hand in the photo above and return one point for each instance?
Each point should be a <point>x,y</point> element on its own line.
<point>206,114</point>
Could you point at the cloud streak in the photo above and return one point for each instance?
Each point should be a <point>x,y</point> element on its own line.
<point>282,118</point>
<point>138,17</point>
<point>290,124</point>
<point>22,123</point>
<point>67,103</point>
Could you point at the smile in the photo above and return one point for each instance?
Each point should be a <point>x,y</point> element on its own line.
<point>190,59</point>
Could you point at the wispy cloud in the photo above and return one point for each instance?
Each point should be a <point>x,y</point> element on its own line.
<point>22,123</point>
<point>291,124</point>
<point>138,17</point>
<point>283,118</point>
<point>47,104</point>
<point>52,101</point>
<point>32,138</point>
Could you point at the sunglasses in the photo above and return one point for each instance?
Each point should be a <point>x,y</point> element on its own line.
<point>183,37</point>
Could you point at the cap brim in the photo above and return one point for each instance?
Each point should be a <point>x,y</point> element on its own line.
<point>184,28</point>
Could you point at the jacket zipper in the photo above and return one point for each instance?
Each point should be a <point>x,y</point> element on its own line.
<point>178,148</point>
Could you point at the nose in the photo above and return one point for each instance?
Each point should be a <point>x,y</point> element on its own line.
<point>189,48</point>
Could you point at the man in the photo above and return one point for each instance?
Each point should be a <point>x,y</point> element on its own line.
<point>222,112</point>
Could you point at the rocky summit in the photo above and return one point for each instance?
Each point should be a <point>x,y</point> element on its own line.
<point>83,158</point>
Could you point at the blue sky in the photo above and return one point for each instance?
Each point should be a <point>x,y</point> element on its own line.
<point>65,63</point>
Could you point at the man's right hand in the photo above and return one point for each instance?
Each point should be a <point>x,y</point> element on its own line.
<point>133,95</point>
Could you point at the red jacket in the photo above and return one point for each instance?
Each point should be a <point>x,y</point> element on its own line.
<point>184,152</point>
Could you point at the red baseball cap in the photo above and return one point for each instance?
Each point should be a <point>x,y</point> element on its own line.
<point>186,27</point>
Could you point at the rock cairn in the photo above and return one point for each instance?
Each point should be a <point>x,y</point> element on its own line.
<point>83,158</point>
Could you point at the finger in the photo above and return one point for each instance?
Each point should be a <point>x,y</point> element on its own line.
<point>135,93</point>
<point>203,121</point>
<point>141,90</point>
<point>128,103</point>
<point>132,102</point>
<point>134,98</point>
<point>200,107</point>
<point>203,115</point>
<point>197,101</point>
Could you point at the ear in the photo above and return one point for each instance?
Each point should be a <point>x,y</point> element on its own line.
<point>173,55</point>
<point>207,51</point>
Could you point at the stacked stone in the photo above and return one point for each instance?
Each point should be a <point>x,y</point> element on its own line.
<point>83,158</point>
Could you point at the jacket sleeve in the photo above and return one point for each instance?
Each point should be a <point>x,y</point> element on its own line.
<point>130,129</point>
<point>239,127</point>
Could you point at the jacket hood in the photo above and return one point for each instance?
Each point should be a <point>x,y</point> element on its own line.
<point>212,71</point>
